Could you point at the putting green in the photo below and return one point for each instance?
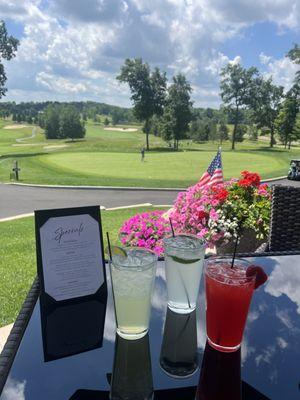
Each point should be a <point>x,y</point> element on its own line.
<point>178,167</point>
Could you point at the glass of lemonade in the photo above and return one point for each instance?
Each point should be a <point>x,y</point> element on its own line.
<point>228,296</point>
<point>133,272</point>
<point>184,255</point>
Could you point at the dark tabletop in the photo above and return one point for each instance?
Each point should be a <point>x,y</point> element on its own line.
<point>266,368</point>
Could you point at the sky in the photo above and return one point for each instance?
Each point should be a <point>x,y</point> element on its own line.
<point>72,50</point>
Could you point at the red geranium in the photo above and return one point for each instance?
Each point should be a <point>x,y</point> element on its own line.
<point>203,215</point>
<point>249,179</point>
<point>222,195</point>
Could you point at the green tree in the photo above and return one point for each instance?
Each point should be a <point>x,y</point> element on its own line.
<point>116,116</point>
<point>8,48</point>
<point>155,125</point>
<point>213,133</point>
<point>106,121</point>
<point>286,120</point>
<point>237,86</point>
<point>296,130</point>
<point>70,124</point>
<point>177,112</point>
<point>240,132</point>
<point>265,104</point>
<point>294,55</point>
<point>148,90</point>
<point>223,132</point>
<point>51,122</point>
<point>253,132</point>
<point>167,124</point>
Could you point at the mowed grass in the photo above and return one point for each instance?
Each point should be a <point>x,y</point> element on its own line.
<point>112,158</point>
<point>18,259</point>
<point>170,169</point>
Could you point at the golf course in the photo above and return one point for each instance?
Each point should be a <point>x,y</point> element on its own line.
<point>110,156</point>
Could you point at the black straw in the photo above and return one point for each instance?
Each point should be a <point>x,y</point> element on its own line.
<point>234,251</point>
<point>109,248</point>
<point>173,233</point>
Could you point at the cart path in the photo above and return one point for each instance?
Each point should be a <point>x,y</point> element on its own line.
<point>16,200</point>
<point>33,134</point>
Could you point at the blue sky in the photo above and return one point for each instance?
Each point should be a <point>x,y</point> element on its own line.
<point>73,49</point>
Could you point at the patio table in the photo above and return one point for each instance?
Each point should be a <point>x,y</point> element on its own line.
<point>267,366</point>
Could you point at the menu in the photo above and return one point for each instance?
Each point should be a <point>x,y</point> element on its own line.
<point>71,271</point>
<point>70,252</point>
<point>71,256</point>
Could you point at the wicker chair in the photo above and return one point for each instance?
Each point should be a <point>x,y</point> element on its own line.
<point>285,220</point>
<point>11,347</point>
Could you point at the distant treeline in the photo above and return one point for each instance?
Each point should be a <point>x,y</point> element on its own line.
<point>206,123</point>
<point>31,112</point>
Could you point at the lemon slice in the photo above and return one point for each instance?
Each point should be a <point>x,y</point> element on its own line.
<point>116,251</point>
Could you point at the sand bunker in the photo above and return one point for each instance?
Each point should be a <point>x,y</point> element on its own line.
<point>121,129</point>
<point>26,144</point>
<point>57,146</point>
<point>15,126</point>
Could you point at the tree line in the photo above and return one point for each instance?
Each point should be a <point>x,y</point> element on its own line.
<point>30,111</point>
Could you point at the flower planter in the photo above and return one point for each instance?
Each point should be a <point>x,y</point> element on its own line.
<point>248,244</point>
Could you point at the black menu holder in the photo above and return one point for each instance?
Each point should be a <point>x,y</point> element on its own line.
<point>178,356</point>
<point>73,306</point>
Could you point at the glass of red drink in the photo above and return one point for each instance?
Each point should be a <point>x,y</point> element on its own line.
<point>228,296</point>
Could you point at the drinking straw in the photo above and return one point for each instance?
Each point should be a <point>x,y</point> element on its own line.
<point>111,278</point>
<point>234,251</point>
<point>173,233</point>
<point>109,248</point>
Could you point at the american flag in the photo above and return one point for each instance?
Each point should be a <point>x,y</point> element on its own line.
<point>214,173</point>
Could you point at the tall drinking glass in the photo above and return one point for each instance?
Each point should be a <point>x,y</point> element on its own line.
<point>228,296</point>
<point>184,255</point>
<point>133,280</point>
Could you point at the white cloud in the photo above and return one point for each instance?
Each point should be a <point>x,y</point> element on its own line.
<point>281,70</point>
<point>285,281</point>
<point>77,47</point>
<point>14,390</point>
<point>282,343</point>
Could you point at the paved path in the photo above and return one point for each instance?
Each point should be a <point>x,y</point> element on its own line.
<point>33,134</point>
<point>15,200</point>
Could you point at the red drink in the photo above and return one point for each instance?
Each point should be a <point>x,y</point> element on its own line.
<point>228,296</point>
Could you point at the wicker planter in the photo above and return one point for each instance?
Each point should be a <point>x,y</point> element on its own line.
<point>248,243</point>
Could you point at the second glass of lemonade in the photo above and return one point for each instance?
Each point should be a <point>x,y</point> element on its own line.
<point>133,274</point>
<point>184,255</point>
